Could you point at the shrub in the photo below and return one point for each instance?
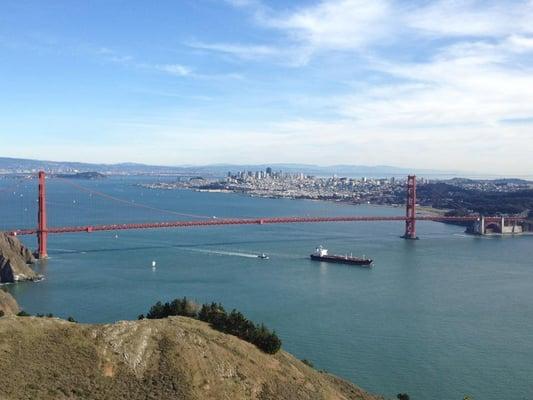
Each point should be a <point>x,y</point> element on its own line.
<point>183,307</point>
<point>211,312</point>
<point>1,313</point>
<point>49,315</point>
<point>70,319</point>
<point>267,341</point>
<point>402,396</point>
<point>234,323</point>
<point>23,314</point>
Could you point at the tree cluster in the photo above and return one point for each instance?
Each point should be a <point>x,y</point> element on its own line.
<point>183,307</point>
<point>38,315</point>
<point>233,323</point>
<point>443,195</point>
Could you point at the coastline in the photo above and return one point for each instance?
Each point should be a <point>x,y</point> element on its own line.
<point>422,210</point>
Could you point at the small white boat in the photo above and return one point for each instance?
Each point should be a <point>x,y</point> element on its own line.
<point>263,256</point>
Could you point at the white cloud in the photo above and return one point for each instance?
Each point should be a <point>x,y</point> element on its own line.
<point>174,69</point>
<point>288,56</point>
<point>473,18</point>
<point>519,44</point>
<point>247,52</point>
<point>475,85</point>
<point>242,3</point>
<point>356,25</point>
<point>340,24</point>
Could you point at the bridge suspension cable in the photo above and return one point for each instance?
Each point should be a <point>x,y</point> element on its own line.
<point>129,202</point>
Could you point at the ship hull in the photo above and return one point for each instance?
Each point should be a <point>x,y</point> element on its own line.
<point>343,260</point>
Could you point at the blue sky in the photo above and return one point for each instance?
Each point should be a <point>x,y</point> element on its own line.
<point>425,84</point>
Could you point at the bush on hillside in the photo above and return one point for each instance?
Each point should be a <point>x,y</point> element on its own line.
<point>49,315</point>
<point>183,307</point>
<point>23,314</point>
<point>234,323</point>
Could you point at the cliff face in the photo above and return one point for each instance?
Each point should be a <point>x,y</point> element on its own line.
<point>14,260</point>
<point>173,358</point>
<point>8,305</point>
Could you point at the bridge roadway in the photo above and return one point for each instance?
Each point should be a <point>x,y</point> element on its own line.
<point>249,221</point>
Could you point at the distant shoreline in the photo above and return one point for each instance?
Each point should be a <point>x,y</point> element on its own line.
<point>424,210</point>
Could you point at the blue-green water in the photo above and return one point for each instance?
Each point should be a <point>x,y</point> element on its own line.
<point>439,318</point>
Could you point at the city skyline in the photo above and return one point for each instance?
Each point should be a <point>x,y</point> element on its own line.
<point>425,85</point>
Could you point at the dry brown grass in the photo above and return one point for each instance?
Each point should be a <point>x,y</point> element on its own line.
<point>8,305</point>
<point>173,358</point>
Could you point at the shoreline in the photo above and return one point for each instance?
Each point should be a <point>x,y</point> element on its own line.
<point>424,210</point>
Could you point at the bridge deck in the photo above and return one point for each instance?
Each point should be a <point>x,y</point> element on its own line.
<point>249,221</point>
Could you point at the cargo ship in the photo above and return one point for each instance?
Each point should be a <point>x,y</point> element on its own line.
<point>321,254</point>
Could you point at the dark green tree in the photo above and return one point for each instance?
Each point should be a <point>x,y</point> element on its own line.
<point>23,314</point>
<point>234,323</point>
<point>156,311</point>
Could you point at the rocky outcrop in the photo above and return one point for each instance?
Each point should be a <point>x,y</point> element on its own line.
<point>14,260</point>
<point>172,358</point>
<point>8,305</point>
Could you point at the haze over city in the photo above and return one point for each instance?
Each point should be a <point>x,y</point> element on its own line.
<point>440,85</point>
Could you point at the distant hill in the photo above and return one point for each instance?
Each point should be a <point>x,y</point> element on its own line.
<point>82,175</point>
<point>445,196</point>
<point>499,181</point>
<point>20,165</point>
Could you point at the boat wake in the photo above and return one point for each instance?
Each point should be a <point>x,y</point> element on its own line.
<point>223,253</point>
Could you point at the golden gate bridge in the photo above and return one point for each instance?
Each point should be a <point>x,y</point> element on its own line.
<point>42,230</point>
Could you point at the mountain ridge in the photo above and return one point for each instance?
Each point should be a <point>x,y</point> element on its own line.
<point>11,165</point>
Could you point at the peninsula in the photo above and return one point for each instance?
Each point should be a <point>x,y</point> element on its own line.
<point>454,196</point>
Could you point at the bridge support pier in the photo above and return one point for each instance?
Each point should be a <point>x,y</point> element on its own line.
<point>481,227</point>
<point>42,229</point>
<point>410,209</point>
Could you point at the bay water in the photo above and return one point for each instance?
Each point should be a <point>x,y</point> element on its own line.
<point>442,317</point>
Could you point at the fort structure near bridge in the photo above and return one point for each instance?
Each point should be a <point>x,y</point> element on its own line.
<point>503,226</point>
<point>479,225</point>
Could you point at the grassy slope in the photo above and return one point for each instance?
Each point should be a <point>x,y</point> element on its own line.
<point>177,357</point>
<point>8,305</point>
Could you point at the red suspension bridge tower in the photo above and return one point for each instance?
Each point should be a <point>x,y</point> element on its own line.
<point>410,209</point>
<point>42,229</point>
